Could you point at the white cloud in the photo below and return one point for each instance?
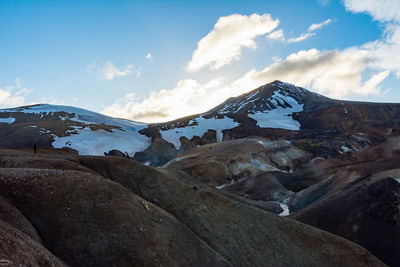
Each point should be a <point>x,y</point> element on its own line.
<point>381,10</point>
<point>186,98</point>
<point>385,49</point>
<point>230,34</point>
<point>343,73</point>
<point>358,70</point>
<point>372,85</point>
<point>277,35</point>
<point>109,71</point>
<point>149,56</point>
<point>317,26</point>
<point>310,32</point>
<point>13,95</point>
<point>333,73</point>
<point>300,38</point>
<point>336,74</point>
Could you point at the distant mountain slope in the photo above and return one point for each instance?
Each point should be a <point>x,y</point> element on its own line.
<point>87,132</point>
<point>274,105</point>
<point>276,110</point>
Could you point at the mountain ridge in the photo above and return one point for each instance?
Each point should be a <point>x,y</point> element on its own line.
<point>277,110</point>
<point>278,148</point>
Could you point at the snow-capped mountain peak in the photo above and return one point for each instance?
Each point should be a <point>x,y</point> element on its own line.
<point>265,98</point>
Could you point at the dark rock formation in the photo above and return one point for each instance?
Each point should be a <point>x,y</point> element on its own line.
<point>116,153</point>
<point>158,153</point>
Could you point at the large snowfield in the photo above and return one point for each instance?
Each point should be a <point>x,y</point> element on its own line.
<point>87,141</point>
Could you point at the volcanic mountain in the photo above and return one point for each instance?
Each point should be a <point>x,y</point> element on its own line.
<point>223,176</point>
<point>276,110</point>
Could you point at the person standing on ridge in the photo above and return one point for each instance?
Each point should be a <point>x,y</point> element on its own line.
<point>35,148</point>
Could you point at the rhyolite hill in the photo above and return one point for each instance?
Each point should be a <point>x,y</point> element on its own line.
<point>232,184</point>
<point>276,110</point>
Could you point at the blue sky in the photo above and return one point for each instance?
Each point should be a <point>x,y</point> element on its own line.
<point>158,60</point>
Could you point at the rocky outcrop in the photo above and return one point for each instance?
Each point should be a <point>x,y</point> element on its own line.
<point>158,153</point>
<point>209,137</point>
<point>116,153</point>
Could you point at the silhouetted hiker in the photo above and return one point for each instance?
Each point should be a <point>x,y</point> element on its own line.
<point>35,148</point>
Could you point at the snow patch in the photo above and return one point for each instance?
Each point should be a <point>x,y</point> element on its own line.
<point>285,211</point>
<point>279,117</point>
<point>7,120</point>
<point>203,125</point>
<point>346,149</point>
<point>88,142</point>
<point>223,185</point>
<point>398,180</point>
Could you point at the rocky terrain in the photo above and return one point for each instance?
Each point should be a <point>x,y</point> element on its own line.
<point>244,184</point>
<point>104,211</point>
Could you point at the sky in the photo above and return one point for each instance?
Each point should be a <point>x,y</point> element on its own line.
<point>154,61</point>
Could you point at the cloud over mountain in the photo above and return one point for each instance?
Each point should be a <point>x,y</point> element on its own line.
<point>358,70</point>
<point>229,36</point>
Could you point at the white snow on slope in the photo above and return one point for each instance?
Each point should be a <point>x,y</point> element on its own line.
<point>7,120</point>
<point>279,117</point>
<point>87,141</point>
<point>224,185</point>
<point>203,125</point>
<point>285,211</point>
<point>80,115</point>
<point>345,149</point>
